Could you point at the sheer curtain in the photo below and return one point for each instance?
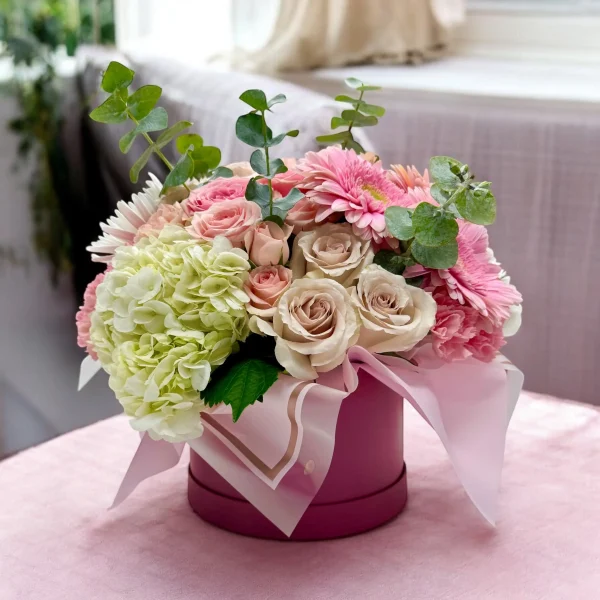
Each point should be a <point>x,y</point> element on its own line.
<point>307,34</point>
<point>270,36</point>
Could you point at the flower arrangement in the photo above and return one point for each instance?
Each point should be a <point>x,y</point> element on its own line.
<point>222,279</point>
<point>302,261</point>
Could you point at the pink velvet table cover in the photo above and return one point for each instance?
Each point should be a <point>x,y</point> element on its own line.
<point>58,542</point>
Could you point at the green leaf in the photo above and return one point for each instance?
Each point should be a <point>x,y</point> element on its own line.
<point>277,166</point>
<point>438,194</point>
<point>116,76</point>
<point>240,385</point>
<point>166,136</point>
<point>440,169</point>
<point>368,88</point>
<point>221,172</point>
<point>276,100</point>
<point>181,172</point>
<point>433,226</point>
<point>353,82</point>
<point>354,145</point>
<point>392,262</point>
<point>359,120</point>
<point>334,138</point>
<point>127,140</point>
<point>442,257</point>
<point>140,163</point>
<point>186,140</point>
<point>283,205</point>
<point>259,193</point>
<point>156,120</point>
<point>249,129</point>
<point>371,109</point>
<point>339,122</point>
<point>399,222</point>
<point>205,159</point>
<point>112,110</point>
<point>477,205</point>
<point>276,219</point>
<point>258,162</point>
<point>256,99</point>
<point>142,101</point>
<point>279,138</point>
<point>346,99</point>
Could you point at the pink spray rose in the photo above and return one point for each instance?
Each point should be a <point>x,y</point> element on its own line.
<point>219,190</point>
<point>166,214</point>
<point>267,243</point>
<point>302,215</point>
<point>284,182</point>
<point>460,331</point>
<point>229,218</point>
<point>264,286</point>
<point>83,317</point>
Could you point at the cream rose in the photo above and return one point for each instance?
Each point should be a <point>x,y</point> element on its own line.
<point>264,286</point>
<point>267,243</point>
<point>395,316</point>
<point>314,325</point>
<point>332,251</point>
<point>241,169</point>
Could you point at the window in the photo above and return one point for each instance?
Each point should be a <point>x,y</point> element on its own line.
<point>550,30</point>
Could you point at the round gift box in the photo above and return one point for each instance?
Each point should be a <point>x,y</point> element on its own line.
<point>364,488</point>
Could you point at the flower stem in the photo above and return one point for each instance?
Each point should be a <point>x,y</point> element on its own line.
<point>156,149</point>
<point>345,144</point>
<point>266,148</point>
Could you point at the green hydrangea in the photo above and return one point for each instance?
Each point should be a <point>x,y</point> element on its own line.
<point>170,310</point>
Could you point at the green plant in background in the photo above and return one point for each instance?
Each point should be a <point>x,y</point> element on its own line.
<point>196,161</point>
<point>361,115</point>
<point>34,35</point>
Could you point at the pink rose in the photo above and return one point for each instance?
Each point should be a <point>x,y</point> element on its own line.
<point>165,214</point>
<point>264,286</point>
<point>215,191</point>
<point>84,317</point>
<point>460,331</point>
<point>229,218</point>
<point>302,215</point>
<point>267,244</point>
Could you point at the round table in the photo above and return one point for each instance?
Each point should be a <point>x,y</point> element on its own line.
<point>58,541</point>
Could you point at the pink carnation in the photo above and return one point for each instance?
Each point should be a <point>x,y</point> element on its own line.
<point>84,315</point>
<point>475,278</point>
<point>165,214</point>
<point>218,190</point>
<point>341,181</point>
<point>460,331</point>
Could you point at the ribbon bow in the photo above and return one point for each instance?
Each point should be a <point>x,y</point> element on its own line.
<point>263,456</point>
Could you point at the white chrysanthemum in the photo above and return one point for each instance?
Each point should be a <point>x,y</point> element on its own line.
<point>120,229</point>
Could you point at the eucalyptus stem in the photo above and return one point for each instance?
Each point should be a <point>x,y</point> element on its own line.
<point>356,108</point>
<point>269,182</point>
<point>157,150</point>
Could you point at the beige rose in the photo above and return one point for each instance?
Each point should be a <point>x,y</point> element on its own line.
<point>241,169</point>
<point>267,243</point>
<point>395,316</point>
<point>332,251</point>
<point>314,325</point>
<point>264,286</point>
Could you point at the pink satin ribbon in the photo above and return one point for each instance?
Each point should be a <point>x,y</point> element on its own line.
<point>469,404</point>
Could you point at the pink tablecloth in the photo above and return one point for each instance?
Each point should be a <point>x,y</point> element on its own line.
<point>58,542</point>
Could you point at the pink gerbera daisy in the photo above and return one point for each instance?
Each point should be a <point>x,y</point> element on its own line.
<point>475,279</point>
<point>341,181</point>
